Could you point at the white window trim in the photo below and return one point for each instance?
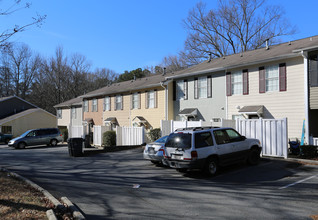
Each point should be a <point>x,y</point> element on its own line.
<point>107,103</point>
<point>272,78</point>
<point>239,84</point>
<point>85,105</point>
<point>119,101</point>
<point>151,100</point>
<point>203,87</point>
<point>94,105</point>
<point>135,100</point>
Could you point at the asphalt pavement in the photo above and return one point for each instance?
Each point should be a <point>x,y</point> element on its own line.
<point>121,185</point>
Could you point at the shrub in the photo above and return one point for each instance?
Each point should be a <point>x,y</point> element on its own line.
<point>154,134</point>
<point>109,138</point>
<point>64,132</point>
<point>308,151</point>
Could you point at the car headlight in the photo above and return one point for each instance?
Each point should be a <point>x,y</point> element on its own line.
<point>11,142</point>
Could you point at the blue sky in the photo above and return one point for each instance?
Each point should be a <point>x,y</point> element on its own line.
<point>128,34</point>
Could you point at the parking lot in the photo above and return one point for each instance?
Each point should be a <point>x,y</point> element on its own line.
<point>121,185</point>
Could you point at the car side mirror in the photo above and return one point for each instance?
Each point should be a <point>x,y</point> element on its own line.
<point>243,138</point>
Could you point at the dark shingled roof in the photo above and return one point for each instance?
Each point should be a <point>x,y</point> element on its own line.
<point>131,85</point>
<point>72,102</point>
<point>262,55</point>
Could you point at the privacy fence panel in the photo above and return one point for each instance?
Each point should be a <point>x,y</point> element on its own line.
<point>98,134</point>
<point>271,132</point>
<point>130,136</point>
<point>77,132</point>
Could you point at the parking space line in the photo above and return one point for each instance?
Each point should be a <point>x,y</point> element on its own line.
<point>299,181</point>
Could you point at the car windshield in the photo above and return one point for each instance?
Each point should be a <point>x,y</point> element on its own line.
<point>179,140</point>
<point>162,139</point>
<point>25,134</point>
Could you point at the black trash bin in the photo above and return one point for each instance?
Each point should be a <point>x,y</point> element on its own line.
<point>75,147</point>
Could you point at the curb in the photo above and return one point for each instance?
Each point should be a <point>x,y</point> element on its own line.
<point>296,160</point>
<point>75,211</point>
<point>77,215</point>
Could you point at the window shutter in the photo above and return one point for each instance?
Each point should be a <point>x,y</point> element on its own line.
<point>131,100</point>
<point>156,98</point>
<point>245,82</point>
<point>139,100</point>
<point>122,101</point>
<point>196,92</point>
<point>228,84</point>
<point>262,80</point>
<point>146,98</point>
<point>185,89</point>
<point>209,87</point>
<point>282,77</point>
<point>174,84</point>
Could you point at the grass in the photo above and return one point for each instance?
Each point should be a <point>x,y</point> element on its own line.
<point>18,200</point>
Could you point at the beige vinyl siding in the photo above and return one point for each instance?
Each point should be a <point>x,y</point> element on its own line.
<point>65,120</point>
<point>290,104</point>
<point>38,119</point>
<point>313,99</point>
<point>152,115</point>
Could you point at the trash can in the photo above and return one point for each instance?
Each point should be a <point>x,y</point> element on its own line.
<point>75,147</point>
<point>294,147</point>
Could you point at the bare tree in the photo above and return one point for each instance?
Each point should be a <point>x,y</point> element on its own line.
<point>234,27</point>
<point>173,63</point>
<point>10,31</point>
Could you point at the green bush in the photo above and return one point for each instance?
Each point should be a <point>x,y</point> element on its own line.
<point>154,134</point>
<point>109,138</point>
<point>308,151</point>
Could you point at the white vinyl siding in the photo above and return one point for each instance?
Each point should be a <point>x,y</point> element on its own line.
<point>272,78</point>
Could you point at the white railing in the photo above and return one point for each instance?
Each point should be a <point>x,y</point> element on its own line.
<point>271,132</point>
<point>130,136</point>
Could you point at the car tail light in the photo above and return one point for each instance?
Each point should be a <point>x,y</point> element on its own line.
<point>61,135</point>
<point>194,155</point>
<point>163,151</point>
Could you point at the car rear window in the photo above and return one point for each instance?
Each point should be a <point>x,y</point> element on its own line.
<point>179,140</point>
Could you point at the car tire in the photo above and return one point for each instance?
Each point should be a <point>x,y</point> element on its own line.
<point>21,145</point>
<point>253,157</point>
<point>211,167</point>
<point>53,142</point>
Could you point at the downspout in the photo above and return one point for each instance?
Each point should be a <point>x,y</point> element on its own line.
<point>306,91</point>
<point>166,99</point>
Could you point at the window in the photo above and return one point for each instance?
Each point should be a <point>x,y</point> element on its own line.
<point>221,137</point>
<point>94,105</point>
<point>202,87</point>
<point>182,90</point>
<point>237,83</point>
<point>233,135</point>
<point>107,103</point>
<point>85,105</point>
<point>73,113</point>
<point>118,102</point>
<point>271,78</point>
<point>151,99</point>
<point>313,69</point>
<point>203,139</point>
<point>6,129</point>
<point>59,113</point>
<point>135,100</point>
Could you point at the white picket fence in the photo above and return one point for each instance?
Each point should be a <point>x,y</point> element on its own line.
<point>77,132</point>
<point>98,134</point>
<point>271,132</point>
<point>130,136</point>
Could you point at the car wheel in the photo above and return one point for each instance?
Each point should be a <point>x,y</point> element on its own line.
<point>21,145</point>
<point>53,142</point>
<point>253,157</point>
<point>211,167</point>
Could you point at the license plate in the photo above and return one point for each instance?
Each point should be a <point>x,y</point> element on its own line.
<point>176,156</point>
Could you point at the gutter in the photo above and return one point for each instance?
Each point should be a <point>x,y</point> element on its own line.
<point>306,96</point>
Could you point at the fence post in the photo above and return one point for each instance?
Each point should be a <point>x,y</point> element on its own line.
<point>285,149</point>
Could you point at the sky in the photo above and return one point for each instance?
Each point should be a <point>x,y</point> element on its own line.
<point>127,34</point>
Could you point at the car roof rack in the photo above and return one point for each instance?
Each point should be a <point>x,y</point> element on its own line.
<point>195,128</point>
